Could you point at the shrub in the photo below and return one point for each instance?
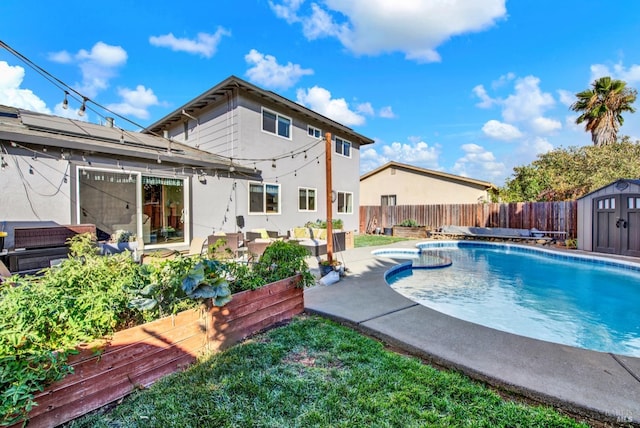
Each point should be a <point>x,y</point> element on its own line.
<point>88,296</point>
<point>336,223</point>
<point>409,223</point>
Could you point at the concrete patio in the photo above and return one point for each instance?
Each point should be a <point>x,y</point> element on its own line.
<point>589,384</point>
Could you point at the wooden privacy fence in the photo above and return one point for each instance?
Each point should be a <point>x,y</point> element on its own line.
<point>552,216</point>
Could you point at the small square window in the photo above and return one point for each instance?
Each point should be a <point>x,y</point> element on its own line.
<point>314,132</point>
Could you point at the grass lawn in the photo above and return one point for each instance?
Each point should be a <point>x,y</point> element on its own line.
<point>316,373</point>
<point>362,240</point>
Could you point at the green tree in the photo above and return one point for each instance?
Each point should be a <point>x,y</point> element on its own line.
<point>566,174</point>
<point>601,108</point>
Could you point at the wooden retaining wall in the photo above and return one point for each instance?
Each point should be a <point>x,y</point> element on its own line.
<point>137,357</point>
<point>552,216</point>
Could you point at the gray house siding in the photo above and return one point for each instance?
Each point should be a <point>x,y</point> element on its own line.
<point>233,128</point>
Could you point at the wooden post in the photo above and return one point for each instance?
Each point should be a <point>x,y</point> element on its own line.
<point>329,195</point>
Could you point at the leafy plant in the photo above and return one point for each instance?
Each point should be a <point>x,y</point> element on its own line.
<point>336,224</point>
<point>409,223</point>
<point>571,243</point>
<point>203,281</point>
<point>42,319</point>
<point>284,259</point>
<point>162,292</point>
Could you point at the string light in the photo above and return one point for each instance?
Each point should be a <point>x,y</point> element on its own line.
<point>3,163</point>
<point>121,136</point>
<point>83,107</point>
<point>65,101</point>
<point>273,163</point>
<point>159,160</point>
<point>30,170</point>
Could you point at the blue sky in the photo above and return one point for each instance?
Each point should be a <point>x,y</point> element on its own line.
<point>467,87</point>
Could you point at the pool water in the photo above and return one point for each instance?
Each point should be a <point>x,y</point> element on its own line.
<point>558,299</point>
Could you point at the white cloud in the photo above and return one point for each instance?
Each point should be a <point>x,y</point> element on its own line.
<point>366,108</point>
<point>135,102</point>
<point>528,102</point>
<point>544,125</point>
<point>501,131</point>
<point>372,27</point>
<point>267,72</point>
<point>566,97</point>
<point>619,71</point>
<point>478,163</point>
<point>204,45</point>
<point>97,66</point>
<point>417,153</point>
<point>319,100</point>
<point>62,57</point>
<point>530,149</point>
<point>503,80</point>
<point>485,100</point>
<point>11,77</point>
<point>386,112</point>
<point>288,10</point>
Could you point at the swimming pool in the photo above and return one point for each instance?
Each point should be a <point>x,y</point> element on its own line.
<point>587,302</point>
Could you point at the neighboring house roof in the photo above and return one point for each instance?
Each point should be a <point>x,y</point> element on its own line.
<point>423,171</point>
<point>223,88</point>
<point>86,138</point>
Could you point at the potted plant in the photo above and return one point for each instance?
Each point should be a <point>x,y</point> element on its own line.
<point>327,266</point>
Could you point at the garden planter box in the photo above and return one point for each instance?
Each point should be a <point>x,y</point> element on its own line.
<point>410,232</point>
<point>137,357</point>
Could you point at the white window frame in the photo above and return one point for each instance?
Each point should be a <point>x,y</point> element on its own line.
<point>312,131</point>
<point>278,116</point>
<point>344,194</point>
<point>139,202</point>
<point>264,198</point>
<point>307,189</point>
<point>343,143</point>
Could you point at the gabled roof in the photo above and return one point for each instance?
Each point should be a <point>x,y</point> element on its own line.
<point>423,171</point>
<point>27,127</point>
<point>222,89</point>
<point>620,184</point>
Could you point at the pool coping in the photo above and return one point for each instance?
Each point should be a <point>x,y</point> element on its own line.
<point>585,383</point>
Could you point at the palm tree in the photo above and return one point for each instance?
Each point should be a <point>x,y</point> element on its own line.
<point>602,106</point>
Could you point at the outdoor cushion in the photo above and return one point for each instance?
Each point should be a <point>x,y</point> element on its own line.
<point>263,233</point>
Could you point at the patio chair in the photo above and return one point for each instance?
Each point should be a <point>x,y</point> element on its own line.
<point>197,246</point>
<point>4,272</point>
<point>256,248</point>
<point>225,245</point>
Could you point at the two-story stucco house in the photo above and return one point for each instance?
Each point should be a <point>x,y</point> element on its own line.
<point>261,130</point>
<point>235,154</point>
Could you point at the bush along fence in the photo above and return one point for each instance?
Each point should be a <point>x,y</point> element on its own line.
<point>552,216</point>
<point>135,358</point>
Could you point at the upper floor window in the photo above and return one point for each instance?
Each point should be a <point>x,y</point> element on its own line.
<point>275,123</point>
<point>314,132</point>
<point>264,198</point>
<point>343,147</point>
<point>345,202</point>
<point>306,199</point>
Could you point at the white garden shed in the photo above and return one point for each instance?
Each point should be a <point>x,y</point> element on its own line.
<point>609,219</point>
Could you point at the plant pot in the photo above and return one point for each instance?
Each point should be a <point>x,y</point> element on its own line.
<point>325,269</point>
